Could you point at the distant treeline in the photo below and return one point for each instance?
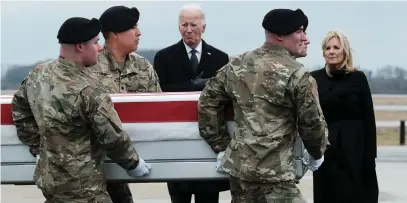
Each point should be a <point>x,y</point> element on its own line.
<point>387,80</point>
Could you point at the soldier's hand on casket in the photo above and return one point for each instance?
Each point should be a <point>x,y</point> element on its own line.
<point>315,164</point>
<point>142,169</point>
<point>37,158</point>
<point>219,167</point>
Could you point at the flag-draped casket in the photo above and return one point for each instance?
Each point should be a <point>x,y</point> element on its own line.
<point>162,126</point>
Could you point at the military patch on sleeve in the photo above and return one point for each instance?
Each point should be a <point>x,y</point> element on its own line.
<point>315,95</point>
<point>107,109</point>
<point>314,87</point>
<point>106,105</point>
<point>314,91</point>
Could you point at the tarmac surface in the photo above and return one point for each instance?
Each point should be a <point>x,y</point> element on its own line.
<point>391,170</point>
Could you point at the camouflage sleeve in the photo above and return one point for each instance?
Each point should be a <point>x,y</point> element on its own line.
<point>311,122</point>
<point>211,108</point>
<point>26,126</point>
<point>154,84</point>
<point>98,107</point>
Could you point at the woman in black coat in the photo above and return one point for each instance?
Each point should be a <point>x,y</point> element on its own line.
<point>348,174</point>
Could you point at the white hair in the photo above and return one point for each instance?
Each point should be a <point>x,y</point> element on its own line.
<point>194,7</point>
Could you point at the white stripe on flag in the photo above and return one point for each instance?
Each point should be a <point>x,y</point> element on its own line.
<point>138,132</point>
<point>139,97</point>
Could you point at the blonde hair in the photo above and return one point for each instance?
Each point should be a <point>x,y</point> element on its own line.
<point>344,45</point>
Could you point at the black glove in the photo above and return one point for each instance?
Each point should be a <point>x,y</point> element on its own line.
<point>198,84</point>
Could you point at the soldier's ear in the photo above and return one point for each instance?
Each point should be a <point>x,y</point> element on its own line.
<point>280,37</point>
<point>79,47</point>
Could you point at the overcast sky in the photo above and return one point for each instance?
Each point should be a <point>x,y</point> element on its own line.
<point>377,30</point>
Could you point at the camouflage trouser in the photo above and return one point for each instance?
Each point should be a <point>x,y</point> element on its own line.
<point>119,192</point>
<point>97,198</point>
<point>247,192</point>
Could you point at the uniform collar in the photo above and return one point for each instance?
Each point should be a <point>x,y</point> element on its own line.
<point>277,48</point>
<point>112,62</point>
<point>70,63</point>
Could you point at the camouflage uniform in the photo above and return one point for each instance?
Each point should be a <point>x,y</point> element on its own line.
<point>26,125</point>
<point>136,74</point>
<point>77,125</point>
<point>273,100</point>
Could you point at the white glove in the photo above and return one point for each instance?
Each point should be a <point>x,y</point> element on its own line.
<point>315,164</point>
<point>142,169</point>
<point>219,167</point>
<point>38,158</point>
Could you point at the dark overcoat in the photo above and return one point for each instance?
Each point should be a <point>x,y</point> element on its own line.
<point>348,173</point>
<point>175,73</point>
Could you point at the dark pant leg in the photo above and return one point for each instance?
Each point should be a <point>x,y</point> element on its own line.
<point>119,192</point>
<point>207,191</point>
<point>178,193</point>
<point>181,197</point>
<point>207,197</point>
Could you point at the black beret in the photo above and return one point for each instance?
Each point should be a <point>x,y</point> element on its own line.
<point>119,19</point>
<point>284,21</point>
<point>77,30</point>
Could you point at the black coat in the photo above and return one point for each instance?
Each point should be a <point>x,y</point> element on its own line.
<point>175,73</point>
<point>348,173</point>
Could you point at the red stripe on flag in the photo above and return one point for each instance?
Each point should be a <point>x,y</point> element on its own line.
<point>6,118</point>
<point>139,112</point>
<point>146,112</point>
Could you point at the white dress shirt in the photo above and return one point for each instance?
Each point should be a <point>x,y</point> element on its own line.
<point>198,52</point>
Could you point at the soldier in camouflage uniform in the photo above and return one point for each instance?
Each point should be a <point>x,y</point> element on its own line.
<point>121,70</point>
<point>70,124</point>
<point>274,98</point>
